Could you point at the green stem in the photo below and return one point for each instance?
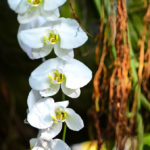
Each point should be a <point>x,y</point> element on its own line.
<point>65,126</point>
<point>63,96</point>
<point>64,132</point>
<point>140,129</point>
<point>145,102</point>
<point>114,52</point>
<point>133,61</point>
<point>98,6</point>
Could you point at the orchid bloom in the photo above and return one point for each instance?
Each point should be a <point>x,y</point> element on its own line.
<point>56,144</point>
<point>32,53</point>
<point>30,9</point>
<point>55,73</point>
<point>61,34</point>
<point>50,132</point>
<point>48,116</point>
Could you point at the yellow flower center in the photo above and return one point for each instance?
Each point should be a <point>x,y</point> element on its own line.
<point>34,2</point>
<point>53,38</point>
<point>57,77</point>
<point>61,115</point>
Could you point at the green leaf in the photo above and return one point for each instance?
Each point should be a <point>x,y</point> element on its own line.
<point>145,102</point>
<point>98,5</point>
<point>140,130</point>
<point>146,139</point>
<point>133,61</point>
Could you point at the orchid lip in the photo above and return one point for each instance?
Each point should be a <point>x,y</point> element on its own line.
<point>56,77</point>
<point>60,115</point>
<point>52,38</point>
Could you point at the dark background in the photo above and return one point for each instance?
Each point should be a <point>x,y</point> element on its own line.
<point>15,68</point>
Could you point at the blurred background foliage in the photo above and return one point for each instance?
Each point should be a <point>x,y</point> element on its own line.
<point>15,68</point>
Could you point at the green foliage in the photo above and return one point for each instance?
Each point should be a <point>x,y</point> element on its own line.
<point>98,5</point>
<point>140,130</point>
<point>146,140</point>
<point>136,11</point>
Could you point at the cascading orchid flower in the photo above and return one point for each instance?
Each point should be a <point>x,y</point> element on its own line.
<point>32,53</point>
<point>53,144</point>
<point>48,116</point>
<point>52,131</point>
<point>30,9</point>
<point>55,73</point>
<point>62,34</point>
<point>40,32</point>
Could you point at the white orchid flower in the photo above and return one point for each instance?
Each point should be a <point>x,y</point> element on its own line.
<point>32,53</point>
<point>49,116</point>
<point>52,131</point>
<point>62,35</point>
<point>56,144</point>
<point>30,9</point>
<point>55,73</point>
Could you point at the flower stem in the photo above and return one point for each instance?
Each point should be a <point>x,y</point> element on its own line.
<point>64,132</point>
<point>63,96</point>
<point>65,126</point>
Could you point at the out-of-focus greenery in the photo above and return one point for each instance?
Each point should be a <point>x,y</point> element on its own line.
<point>136,11</point>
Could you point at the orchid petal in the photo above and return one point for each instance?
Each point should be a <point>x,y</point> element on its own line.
<point>63,104</point>
<point>13,4</point>
<point>59,145</point>
<point>52,90</point>
<point>28,16</point>
<point>39,116</point>
<point>53,4</point>
<point>73,93</point>
<point>77,74</point>
<point>51,14</point>
<point>65,54</point>
<point>74,121</point>
<point>51,132</point>
<point>22,7</point>
<point>71,34</point>
<point>33,98</point>
<point>33,37</point>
